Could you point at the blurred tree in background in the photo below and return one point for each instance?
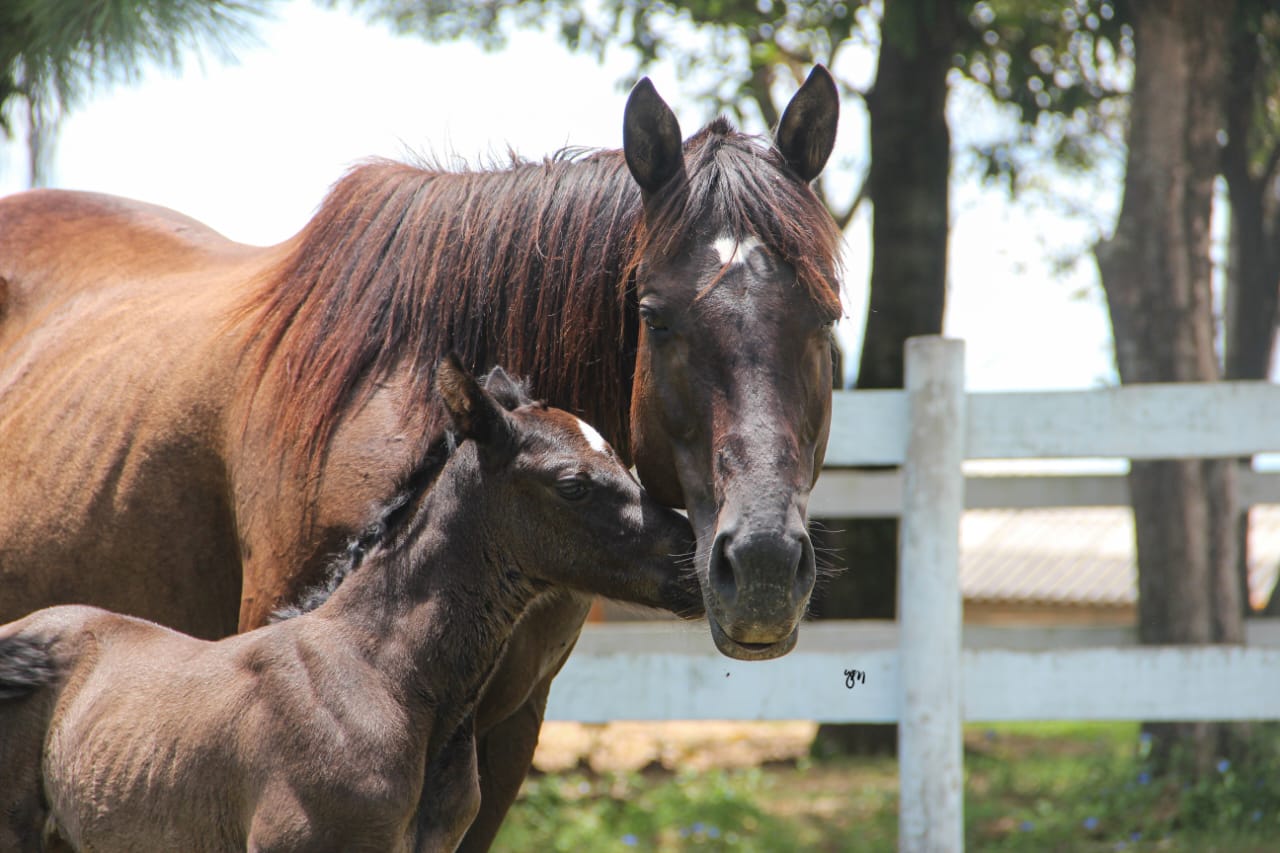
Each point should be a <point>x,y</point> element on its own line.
<point>54,52</point>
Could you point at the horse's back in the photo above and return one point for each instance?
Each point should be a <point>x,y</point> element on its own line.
<point>55,626</point>
<point>69,236</point>
<point>56,245</point>
<point>117,360</point>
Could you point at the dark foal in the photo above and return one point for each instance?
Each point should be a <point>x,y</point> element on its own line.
<point>348,727</point>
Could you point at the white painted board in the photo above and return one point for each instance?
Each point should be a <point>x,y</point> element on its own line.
<point>1157,421</point>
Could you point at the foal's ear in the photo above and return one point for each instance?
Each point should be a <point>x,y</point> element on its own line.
<point>474,411</point>
<point>651,139</point>
<point>807,132</point>
<point>509,393</point>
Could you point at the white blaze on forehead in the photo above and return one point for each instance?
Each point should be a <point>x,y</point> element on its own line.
<point>730,251</point>
<point>595,439</point>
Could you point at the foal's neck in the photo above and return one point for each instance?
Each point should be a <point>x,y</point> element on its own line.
<point>434,607</point>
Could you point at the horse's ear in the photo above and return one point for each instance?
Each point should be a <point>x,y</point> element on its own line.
<point>651,139</point>
<point>474,411</point>
<point>507,391</point>
<point>807,132</point>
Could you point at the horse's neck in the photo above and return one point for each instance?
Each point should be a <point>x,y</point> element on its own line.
<point>435,611</point>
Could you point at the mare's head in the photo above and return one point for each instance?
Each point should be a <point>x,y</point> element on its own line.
<point>736,282</point>
<point>555,501</point>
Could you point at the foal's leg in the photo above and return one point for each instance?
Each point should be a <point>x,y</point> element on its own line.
<point>450,794</point>
<point>509,716</point>
<point>504,756</point>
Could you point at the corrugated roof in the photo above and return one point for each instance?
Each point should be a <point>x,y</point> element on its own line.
<point>1079,556</point>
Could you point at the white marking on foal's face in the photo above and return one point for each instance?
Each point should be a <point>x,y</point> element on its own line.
<point>595,439</point>
<point>731,252</point>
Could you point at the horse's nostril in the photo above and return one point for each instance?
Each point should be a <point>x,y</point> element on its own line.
<point>769,571</point>
<point>721,571</point>
<point>806,571</point>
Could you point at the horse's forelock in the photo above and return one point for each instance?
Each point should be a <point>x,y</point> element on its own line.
<point>738,184</point>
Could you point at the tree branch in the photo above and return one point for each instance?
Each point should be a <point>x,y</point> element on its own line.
<point>845,216</point>
<point>761,88</point>
<point>1269,170</point>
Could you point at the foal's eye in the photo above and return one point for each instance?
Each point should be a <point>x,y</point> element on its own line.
<point>573,488</point>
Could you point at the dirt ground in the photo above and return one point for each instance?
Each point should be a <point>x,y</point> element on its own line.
<point>676,745</point>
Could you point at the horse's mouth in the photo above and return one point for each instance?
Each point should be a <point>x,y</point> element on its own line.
<point>731,648</point>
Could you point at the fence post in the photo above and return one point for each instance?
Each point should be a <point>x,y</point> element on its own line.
<point>930,745</point>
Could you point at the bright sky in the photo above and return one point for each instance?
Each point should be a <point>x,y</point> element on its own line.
<point>251,149</point>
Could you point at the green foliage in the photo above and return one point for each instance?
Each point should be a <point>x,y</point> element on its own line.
<point>714,811</point>
<point>1063,67</point>
<point>1050,56</point>
<point>1088,788</point>
<point>729,50</point>
<point>53,51</point>
<point>1029,787</point>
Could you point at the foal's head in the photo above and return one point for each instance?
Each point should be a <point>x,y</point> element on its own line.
<point>553,502</point>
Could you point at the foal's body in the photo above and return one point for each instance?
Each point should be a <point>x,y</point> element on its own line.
<point>348,727</point>
<point>151,755</point>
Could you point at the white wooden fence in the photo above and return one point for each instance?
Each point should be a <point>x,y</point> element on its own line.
<point>925,671</point>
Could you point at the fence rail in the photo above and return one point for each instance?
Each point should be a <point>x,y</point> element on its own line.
<point>925,671</point>
<point>844,493</point>
<point>669,671</point>
<point>1155,421</point>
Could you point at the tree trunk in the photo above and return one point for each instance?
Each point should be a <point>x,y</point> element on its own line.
<point>1156,273</point>
<point>1253,275</point>
<point>908,188</point>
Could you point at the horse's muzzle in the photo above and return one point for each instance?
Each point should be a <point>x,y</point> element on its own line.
<point>758,586</point>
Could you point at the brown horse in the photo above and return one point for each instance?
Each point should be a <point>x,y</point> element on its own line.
<point>171,399</point>
<point>313,733</point>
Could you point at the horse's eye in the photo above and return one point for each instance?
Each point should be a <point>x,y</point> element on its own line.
<point>573,488</point>
<point>652,319</point>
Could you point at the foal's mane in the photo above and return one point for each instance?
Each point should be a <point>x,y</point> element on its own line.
<point>389,518</point>
<point>531,266</point>
<point>393,518</point>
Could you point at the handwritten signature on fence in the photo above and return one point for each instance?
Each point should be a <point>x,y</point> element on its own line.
<point>854,676</point>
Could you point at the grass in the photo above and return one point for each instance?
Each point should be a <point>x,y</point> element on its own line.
<point>1029,787</point>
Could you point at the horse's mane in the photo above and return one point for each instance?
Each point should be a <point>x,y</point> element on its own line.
<point>531,266</point>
